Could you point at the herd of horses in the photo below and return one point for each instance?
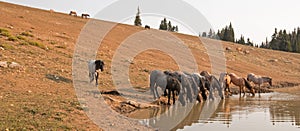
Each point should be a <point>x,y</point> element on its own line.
<point>200,86</point>
<point>73,13</point>
<point>191,86</point>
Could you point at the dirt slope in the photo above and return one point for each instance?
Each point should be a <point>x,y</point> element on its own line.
<point>39,93</point>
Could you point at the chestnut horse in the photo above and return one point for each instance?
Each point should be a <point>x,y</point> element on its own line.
<point>241,82</point>
<point>73,13</point>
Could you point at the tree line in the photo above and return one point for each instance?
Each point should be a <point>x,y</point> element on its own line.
<point>281,40</point>
<point>284,41</point>
<point>164,25</point>
<point>226,34</point>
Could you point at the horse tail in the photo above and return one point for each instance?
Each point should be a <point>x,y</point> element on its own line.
<point>249,87</point>
<point>152,81</point>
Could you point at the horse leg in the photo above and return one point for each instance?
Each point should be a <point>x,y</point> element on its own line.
<point>165,92</point>
<point>169,95</point>
<point>211,94</point>
<point>259,89</point>
<point>155,91</point>
<point>97,78</point>
<point>90,75</point>
<point>240,91</point>
<point>228,88</point>
<point>244,91</point>
<point>173,93</point>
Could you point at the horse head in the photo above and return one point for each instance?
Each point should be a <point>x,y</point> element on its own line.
<point>99,65</point>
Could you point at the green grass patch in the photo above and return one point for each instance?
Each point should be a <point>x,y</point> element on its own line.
<point>24,43</point>
<point>20,37</point>
<point>4,32</point>
<point>7,46</point>
<point>12,38</point>
<point>61,46</point>
<point>26,34</point>
<point>34,43</point>
<point>52,42</point>
<point>37,44</point>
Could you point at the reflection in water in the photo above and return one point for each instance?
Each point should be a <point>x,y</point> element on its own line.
<point>285,111</point>
<point>273,111</point>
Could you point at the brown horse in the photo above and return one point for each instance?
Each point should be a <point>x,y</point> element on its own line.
<point>173,85</point>
<point>241,82</point>
<point>73,13</point>
<point>206,75</point>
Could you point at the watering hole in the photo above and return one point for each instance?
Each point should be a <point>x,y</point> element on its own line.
<point>269,111</point>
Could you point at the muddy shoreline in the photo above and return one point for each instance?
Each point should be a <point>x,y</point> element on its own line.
<point>125,107</point>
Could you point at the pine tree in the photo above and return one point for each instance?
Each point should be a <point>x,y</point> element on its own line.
<point>241,40</point>
<point>204,34</point>
<point>249,42</point>
<point>210,33</point>
<point>221,34</point>
<point>163,25</point>
<point>170,28</point>
<point>231,33</point>
<point>226,34</point>
<point>138,21</point>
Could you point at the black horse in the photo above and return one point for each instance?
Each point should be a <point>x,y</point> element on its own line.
<point>147,27</point>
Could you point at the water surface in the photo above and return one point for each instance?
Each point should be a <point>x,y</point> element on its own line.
<point>269,111</point>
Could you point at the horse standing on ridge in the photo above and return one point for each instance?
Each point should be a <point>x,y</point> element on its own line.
<point>73,13</point>
<point>85,16</point>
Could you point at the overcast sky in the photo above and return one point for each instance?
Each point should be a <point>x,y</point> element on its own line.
<point>255,19</point>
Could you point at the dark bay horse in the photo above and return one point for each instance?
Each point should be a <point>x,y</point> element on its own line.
<point>85,16</point>
<point>147,27</point>
<point>173,85</point>
<point>214,84</point>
